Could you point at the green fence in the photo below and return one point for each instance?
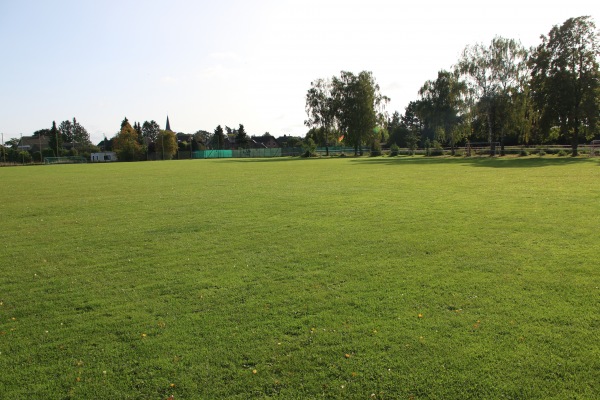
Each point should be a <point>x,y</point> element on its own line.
<point>212,154</point>
<point>243,153</point>
<point>256,153</point>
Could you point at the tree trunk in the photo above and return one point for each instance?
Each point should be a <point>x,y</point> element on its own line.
<point>489,120</point>
<point>502,143</point>
<point>574,140</point>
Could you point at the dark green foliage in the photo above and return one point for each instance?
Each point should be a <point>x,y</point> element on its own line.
<point>24,157</point>
<point>321,110</point>
<point>48,153</point>
<point>73,133</point>
<point>375,149</point>
<point>443,100</point>
<point>309,147</point>
<point>394,150</point>
<point>219,138</point>
<point>566,80</point>
<point>150,131</point>
<point>242,140</point>
<point>357,102</point>
<point>427,146</point>
<point>436,149</point>
<point>55,141</point>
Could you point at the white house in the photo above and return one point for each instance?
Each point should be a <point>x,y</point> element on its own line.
<point>107,156</point>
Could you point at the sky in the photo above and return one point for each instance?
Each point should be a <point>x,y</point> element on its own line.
<point>230,62</point>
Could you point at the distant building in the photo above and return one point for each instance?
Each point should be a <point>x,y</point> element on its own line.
<point>34,144</point>
<point>107,156</point>
<point>267,142</point>
<point>168,126</point>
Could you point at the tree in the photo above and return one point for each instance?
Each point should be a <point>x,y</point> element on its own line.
<point>80,134</point>
<point>522,113</point>
<point>320,108</point>
<point>66,131</point>
<point>125,143</point>
<point>150,132</point>
<point>219,138</point>
<point>490,71</point>
<point>566,80</point>
<point>413,124</point>
<point>138,129</point>
<point>166,144</point>
<point>13,143</point>
<point>394,128</point>
<point>443,102</point>
<point>202,138</point>
<point>241,137</point>
<point>74,133</point>
<point>358,107</point>
<point>125,122</point>
<point>55,141</point>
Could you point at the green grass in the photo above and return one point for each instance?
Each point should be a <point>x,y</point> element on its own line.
<point>387,278</point>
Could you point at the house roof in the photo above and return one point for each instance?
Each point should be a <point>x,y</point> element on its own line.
<point>34,143</point>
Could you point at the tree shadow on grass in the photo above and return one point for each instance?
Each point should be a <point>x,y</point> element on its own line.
<point>267,160</point>
<point>482,162</point>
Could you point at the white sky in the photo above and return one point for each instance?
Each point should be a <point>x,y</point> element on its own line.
<point>227,62</point>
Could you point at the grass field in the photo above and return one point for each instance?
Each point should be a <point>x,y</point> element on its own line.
<point>386,278</point>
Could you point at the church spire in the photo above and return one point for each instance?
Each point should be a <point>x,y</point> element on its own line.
<point>168,127</point>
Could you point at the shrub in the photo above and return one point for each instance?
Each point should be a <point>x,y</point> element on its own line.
<point>309,146</point>
<point>523,153</point>
<point>24,156</point>
<point>437,149</point>
<point>394,150</point>
<point>562,153</point>
<point>375,148</point>
<point>48,153</point>
<point>541,153</point>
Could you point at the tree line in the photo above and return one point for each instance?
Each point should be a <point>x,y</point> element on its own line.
<point>498,94</point>
<point>69,138</point>
<point>133,143</point>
